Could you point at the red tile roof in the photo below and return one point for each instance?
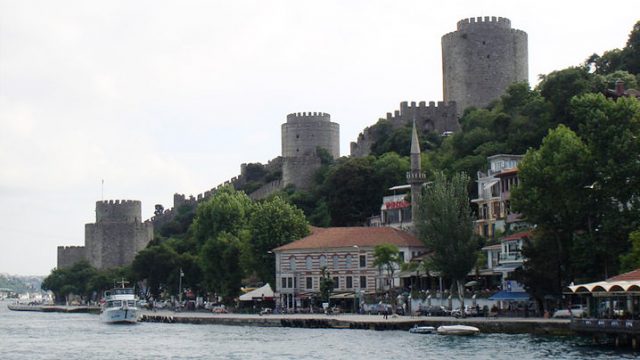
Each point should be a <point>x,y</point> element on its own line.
<point>628,276</point>
<point>507,172</point>
<point>350,236</point>
<point>517,236</point>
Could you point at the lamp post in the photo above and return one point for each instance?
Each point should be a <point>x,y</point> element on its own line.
<point>180,287</point>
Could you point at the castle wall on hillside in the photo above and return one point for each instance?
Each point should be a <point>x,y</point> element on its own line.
<point>440,118</point>
<point>481,59</point>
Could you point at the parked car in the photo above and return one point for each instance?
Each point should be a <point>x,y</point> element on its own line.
<point>377,309</point>
<point>572,311</point>
<point>468,311</point>
<point>434,310</point>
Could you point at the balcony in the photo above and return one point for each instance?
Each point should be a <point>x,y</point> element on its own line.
<point>510,257</point>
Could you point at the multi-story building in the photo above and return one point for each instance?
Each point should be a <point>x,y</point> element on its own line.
<point>347,253</point>
<point>493,194</point>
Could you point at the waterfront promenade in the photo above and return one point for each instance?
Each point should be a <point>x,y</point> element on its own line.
<point>369,322</point>
<point>505,325</point>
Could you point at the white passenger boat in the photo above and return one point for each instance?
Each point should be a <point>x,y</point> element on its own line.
<point>457,330</point>
<point>119,306</point>
<point>422,329</point>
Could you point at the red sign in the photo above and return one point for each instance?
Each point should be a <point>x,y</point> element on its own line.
<point>396,204</point>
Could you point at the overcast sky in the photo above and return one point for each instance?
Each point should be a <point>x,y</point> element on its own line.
<point>158,97</point>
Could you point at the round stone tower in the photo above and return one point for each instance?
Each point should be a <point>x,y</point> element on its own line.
<point>125,211</point>
<point>481,59</point>
<point>302,135</point>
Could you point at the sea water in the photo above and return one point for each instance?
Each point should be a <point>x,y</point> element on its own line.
<point>35,335</point>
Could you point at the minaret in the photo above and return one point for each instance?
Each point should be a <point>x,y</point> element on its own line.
<point>415,177</point>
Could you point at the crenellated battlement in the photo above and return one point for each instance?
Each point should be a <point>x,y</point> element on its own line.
<point>308,116</point>
<point>465,24</point>
<point>434,116</point>
<point>118,211</point>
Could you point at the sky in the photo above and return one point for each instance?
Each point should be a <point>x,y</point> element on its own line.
<point>163,97</point>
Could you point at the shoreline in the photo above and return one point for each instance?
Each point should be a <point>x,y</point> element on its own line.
<point>536,326</point>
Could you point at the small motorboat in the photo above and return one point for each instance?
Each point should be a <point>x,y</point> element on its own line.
<point>457,330</point>
<point>422,329</point>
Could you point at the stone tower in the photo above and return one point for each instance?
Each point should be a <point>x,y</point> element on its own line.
<point>302,135</point>
<point>415,177</point>
<point>117,235</point>
<point>481,59</point>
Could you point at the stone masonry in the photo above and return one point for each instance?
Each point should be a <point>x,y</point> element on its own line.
<point>481,59</point>
<point>114,239</point>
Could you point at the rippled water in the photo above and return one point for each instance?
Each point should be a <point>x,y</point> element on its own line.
<point>25,335</point>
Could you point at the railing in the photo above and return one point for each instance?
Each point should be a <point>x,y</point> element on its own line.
<point>510,256</point>
<point>606,325</point>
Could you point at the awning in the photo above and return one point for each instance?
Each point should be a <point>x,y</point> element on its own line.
<point>507,267</point>
<point>342,296</point>
<point>263,293</point>
<point>488,185</point>
<point>510,296</point>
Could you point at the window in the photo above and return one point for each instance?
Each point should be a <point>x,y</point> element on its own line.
<point>292,263</point>
<point>349,282</point>
<point>363,261</point>
<point>308,262</point>
<point>335,262</point>
<point>401,253</point>
<point>336,282</point>
<point>284,282</point>
<point>309,283</point>
<point>363,282</point>
<point>323,261</point>
<point>347,262</point>
<point>290,282</point>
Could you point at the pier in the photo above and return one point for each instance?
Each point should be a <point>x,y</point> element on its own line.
<point>365,322</point>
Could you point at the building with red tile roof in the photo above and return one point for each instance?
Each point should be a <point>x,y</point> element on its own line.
<point>347,253</point>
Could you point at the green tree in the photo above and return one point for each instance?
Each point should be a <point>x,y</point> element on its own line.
<point>551,194</point>
<point>158,265</point>
<point>226,211</point>
<point>631,260</point>
<point>326,284</point>
<point>445,225</point>
<point>221,264</point>
<point>387,258</point>
<point>273,223</point>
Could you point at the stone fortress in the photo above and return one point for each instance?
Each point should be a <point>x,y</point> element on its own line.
<point>114,239</point>
<point>302,135</point>
<point>479,61</point>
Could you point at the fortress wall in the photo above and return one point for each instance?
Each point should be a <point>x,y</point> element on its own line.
<point>438,117</point>
<point>266,190</point>
<point>299,171</point>
<point>112,244</point>
<point>69,255</point>
<point>481,59</point>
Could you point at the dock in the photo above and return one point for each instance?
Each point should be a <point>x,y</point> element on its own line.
<point>55,308</point>
<point>365,322</point>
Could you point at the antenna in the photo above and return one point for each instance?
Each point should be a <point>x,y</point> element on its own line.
<point>102,191</point>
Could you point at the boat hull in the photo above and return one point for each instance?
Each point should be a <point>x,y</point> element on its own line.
<point>457,330</point>
<point>120,316</point>
<point>422,330</point>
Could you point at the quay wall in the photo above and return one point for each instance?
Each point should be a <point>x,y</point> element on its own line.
<point>507,325</point>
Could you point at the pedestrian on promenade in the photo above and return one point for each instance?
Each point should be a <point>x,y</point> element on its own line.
<point>385,313</point>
